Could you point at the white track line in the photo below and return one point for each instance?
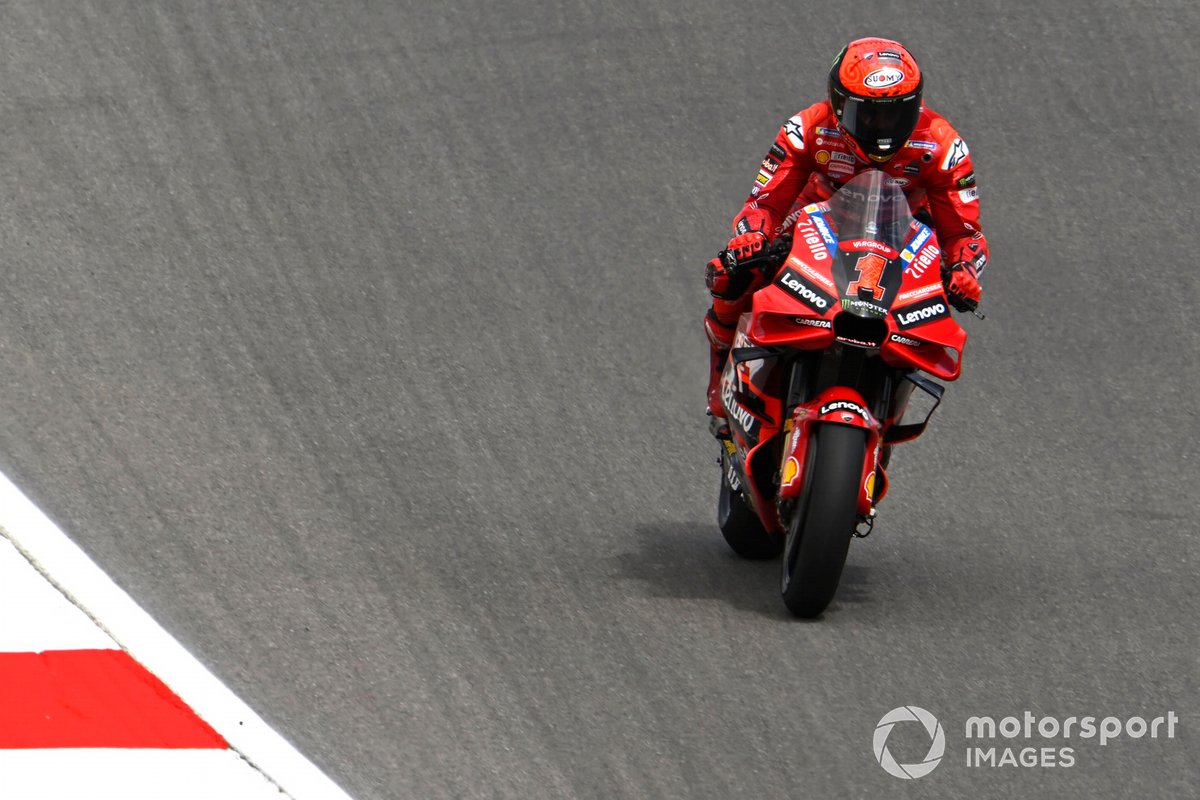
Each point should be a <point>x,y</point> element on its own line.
<point>75,574</point>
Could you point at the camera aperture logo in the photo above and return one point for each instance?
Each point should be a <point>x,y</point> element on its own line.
<point>937,742</point>
<point>1027,740</point>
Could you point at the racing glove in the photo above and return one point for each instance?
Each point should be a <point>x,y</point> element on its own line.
<point>725,280</point>
<point>962,285</point>
<point>747,245</point>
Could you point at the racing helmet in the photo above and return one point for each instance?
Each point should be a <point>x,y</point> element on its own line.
<point>875,90</point>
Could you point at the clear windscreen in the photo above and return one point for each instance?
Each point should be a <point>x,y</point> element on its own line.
<point>872,206</point>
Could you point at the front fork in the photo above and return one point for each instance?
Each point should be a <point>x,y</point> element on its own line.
<point>837,405</point>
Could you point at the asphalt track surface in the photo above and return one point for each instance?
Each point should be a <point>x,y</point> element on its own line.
<point>361,343</point>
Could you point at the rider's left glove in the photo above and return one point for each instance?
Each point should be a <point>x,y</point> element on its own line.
<point>962,285</point>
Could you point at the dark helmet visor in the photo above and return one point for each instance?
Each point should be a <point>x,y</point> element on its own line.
<point>881,125</point>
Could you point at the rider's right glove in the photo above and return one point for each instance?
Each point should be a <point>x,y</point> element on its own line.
<point>725,280</point>
<point>747,245</point>
<point>962,286</point>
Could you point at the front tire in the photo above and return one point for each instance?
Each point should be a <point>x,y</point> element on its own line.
<point>741,527</point>
<point>819,532</point>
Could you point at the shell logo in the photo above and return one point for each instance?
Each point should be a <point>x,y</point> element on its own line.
<point>791,469</point>
<point>822,156</point>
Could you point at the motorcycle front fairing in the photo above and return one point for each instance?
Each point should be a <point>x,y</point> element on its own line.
<point>752,395</point>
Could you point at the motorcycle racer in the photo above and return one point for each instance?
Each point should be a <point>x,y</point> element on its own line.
<point>874,118</point>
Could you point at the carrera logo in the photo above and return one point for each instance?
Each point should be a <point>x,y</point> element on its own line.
<point>920,313</point>
<point>813,323</point>
<point>883,78</point>
<point>794,284</point>
<point>845,405</point>
<point>904,340</point>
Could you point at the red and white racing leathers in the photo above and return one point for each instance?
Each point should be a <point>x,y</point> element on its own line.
<point>809,161</point>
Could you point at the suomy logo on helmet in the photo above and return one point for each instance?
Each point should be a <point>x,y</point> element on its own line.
<point>883,78</point>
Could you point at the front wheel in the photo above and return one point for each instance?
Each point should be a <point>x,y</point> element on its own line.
<point>741,527</point>
<point>820,530</point>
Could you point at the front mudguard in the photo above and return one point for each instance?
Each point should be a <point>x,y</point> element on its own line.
<point>837,405</point>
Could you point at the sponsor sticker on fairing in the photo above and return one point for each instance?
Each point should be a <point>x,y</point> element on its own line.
<point>797,286</point>
<point>814,274</point>
<point>818,220</point>
<point>864,307</point>
<point>925,259</point>
<point>916,244</point>
<point>808,234</point>
<point>845,405</point>
<point>904,340</point>
<point>917,294</point>
<point>920,313</point>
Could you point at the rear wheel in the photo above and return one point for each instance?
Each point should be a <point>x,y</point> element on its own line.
<point>740,526</point>
<point>819,532</point>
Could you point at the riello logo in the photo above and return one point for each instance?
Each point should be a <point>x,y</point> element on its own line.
<point>937,742</point>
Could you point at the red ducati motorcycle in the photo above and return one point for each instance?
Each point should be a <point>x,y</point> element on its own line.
<point>819,379</point>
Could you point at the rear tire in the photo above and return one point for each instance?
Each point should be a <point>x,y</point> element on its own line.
<point>819,532</point>
<point>741,527</point>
